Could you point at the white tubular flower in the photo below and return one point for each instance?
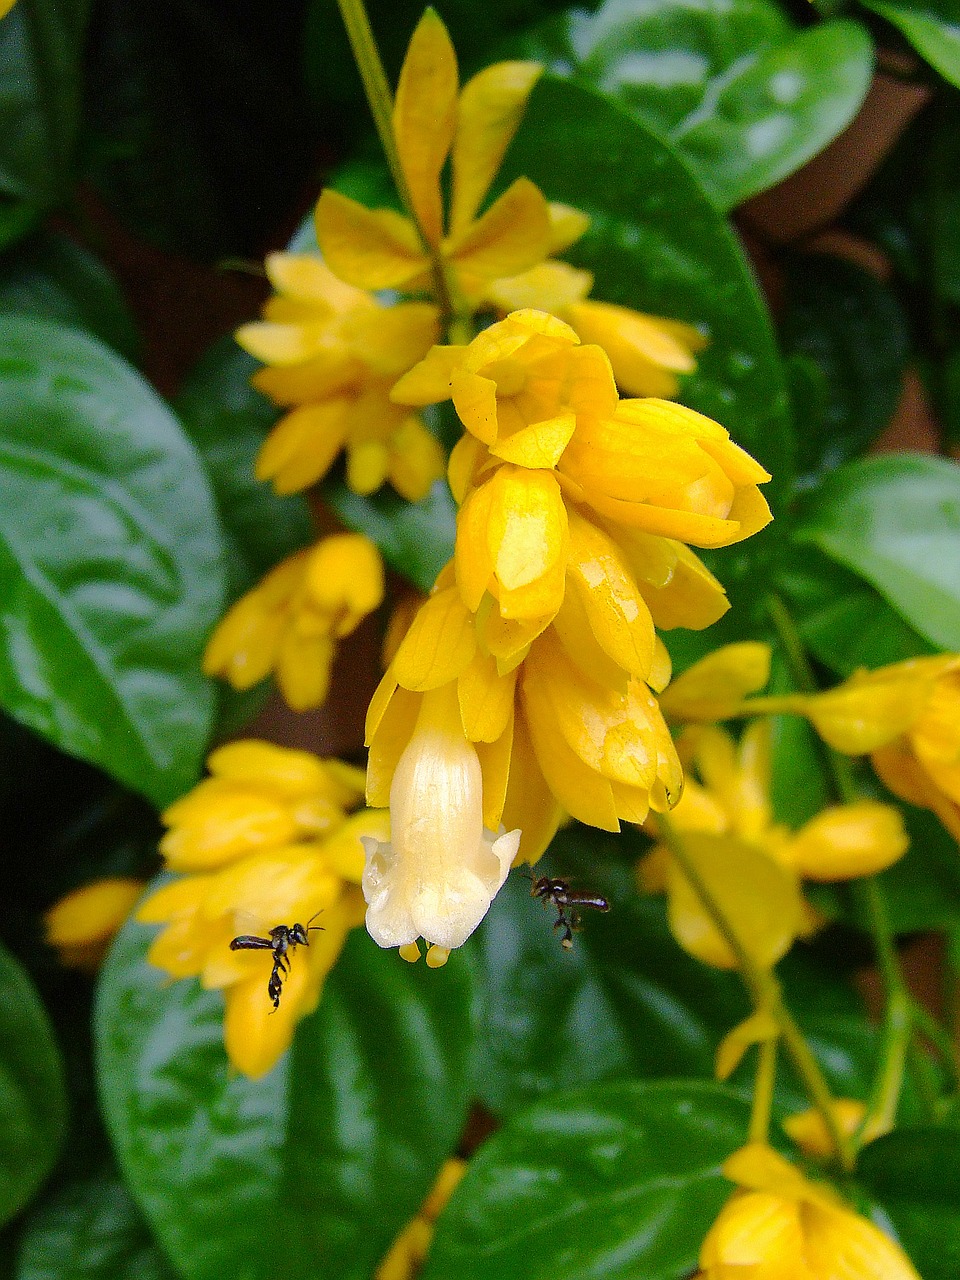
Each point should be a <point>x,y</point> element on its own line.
<point>441,869</point>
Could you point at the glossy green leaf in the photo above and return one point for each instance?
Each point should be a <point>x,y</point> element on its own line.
<point>41,83</point>
<point>915,1176</point>
<point>745,96</point>
<point>90,1230</point>
<point>227,421</point>
<point>844,621</point>
<point>931,26</point>
<point>32,1101</point>
<point>54,278</point>
<point>854,331</point>
<point>323,1159</point>
<point>657,244</point>
<point>111,558</point>
<point>895,521</point>
<point>617,1180</point>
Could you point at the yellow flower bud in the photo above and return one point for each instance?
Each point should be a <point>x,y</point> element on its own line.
<point>714,687</point>
<point>82,923</point>
<point>809,1131</point>
<point>848,840</point>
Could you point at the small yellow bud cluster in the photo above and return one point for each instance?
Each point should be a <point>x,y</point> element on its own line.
<point>267,839</point>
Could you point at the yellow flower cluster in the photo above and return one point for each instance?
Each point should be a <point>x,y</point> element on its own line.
<point>752,864</point>
<point>780,1225</point>
<point>267,839</point>
<point>523,688</point>
<point>290,623</point>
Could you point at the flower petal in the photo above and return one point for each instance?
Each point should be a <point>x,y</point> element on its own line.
<point>372,248</point>
<point>439,644</point>
<point>849,840</point>
<point>511,236</point>
<point>714,687</point>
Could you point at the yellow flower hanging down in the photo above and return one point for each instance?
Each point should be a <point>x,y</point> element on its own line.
<point>432,120</point>
<point>291,622</point>
<point>781,1226</point>
<point>333,352</point>
<point>752,864</point>
<point>267,840</point>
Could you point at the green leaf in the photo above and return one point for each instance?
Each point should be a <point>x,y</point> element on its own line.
<point>618,1180</point>
<point>745,96</point>
<point>41,84</point>
<point>415,538</point>
<point>931,26</point>
<point>657,244</point>
<point>922,889</point>
<point>854,331</point>
<point>54,278</point>
<point>915,1175</point>
<point>90,1230</point>
<point>323,1159</point>
<point>227,421</point>
<point>844,621</point>
<point>111,560</point>
<point>624,1002</point>
<point>895,522</point>
<point>32,1098</point>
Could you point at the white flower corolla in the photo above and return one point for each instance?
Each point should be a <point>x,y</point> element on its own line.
<point>438,874</point>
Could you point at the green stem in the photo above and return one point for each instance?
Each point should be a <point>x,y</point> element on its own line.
<point>369,64</point>
<point>766,993</point>
<point>928,1026</point>
<point>868,893</point>
<point>763,1091</point>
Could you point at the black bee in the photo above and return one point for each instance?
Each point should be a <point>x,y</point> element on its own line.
<point>568,903</point>
<point>283,939</point>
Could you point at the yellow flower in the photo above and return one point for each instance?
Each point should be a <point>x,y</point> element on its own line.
<point>810,1133</point>
<point>381,249</point>
<point>752,864</point>
<point>408,1252</point>
<point>82,924</point>
<point>907,717</point>
<point>260,797</point>
<point>266,841</point>
<point>646,352</point>
<point>290,623</point>
<point>714,687</point>
<point>334,352</point>
<point>781,1226</point>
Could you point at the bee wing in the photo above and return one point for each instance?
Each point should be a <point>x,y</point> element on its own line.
<point>252,932</point>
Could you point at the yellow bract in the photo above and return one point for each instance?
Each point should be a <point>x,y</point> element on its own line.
<point>782,1226</point>
<point>408,1252</point>
<point>291,622</point>
<point>268,839</point>
<point>751,864</point>
<point>333,352</point>
<point>82,923</point>
<point>809,1131</point>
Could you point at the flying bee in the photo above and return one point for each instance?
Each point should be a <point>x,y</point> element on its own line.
<point>568,902</point>
<point>283,939</point>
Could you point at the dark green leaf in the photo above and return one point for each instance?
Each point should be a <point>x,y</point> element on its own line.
<point>227,421</point>
<point>618,1180</point>
<point>54,278</point>
<point>931,26</point>
<point>744,95</point>
<point>915,1175</point>
<point>32,1101</point>
<point>895,522</point>
<point>90,1230</point>
<point>326,1157</point>
<point>112,561</point>
<point>923,889</point>
<point>799,787</point>
<point>41,81</point>
<point>854,331</point>
<point>415,538</point>
<point>657,244</point>
<point>844,622</point>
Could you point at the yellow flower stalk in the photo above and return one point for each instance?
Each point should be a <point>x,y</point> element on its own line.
<point>407,1254</point>
<point>752,864</point>
<point>779,1225</point>
<point>333,352</point>
<point>433,121</point>
<point>291,622</point>
<point>82,924</point>
<point>267,840</point>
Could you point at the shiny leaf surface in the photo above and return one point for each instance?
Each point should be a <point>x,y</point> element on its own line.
<point>111,559</point>
<point>931,26</point>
